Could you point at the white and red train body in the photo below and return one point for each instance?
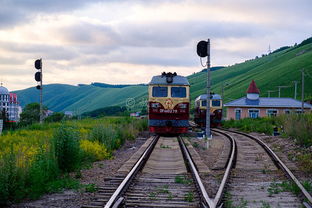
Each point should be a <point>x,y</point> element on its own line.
<point>215,110</point>
<point>168,104</point>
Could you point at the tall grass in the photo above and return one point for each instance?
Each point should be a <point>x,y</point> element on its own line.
<point>295,126</point>
<point>264,125</point>
<point>36,160</point>
<point>298,127</point>
<point>67,149</point>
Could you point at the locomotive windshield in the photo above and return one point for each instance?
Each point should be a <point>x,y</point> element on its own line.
<point>179,92</point>
<point>160,91</point>
<point>215,102</point>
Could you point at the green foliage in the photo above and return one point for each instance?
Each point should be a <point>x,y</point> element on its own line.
<point>106,111</point>
<point>305,42</point>
<point>305,161</point>
<point>182,180</point>
<point>298,127</point>
<point>264,125</point>
<point>67,149</point>
<point>82,98</point>
<point>189,197</point>
<point>276,69</point>
<point>265,204</point>
<point>91,188</point>
<point>31,114</point>
<point>55,117</point>
<point>36,159</point>
<point>276,188</point>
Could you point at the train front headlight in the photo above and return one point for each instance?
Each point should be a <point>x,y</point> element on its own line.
<point>155,105</point>
<point>182,105</point>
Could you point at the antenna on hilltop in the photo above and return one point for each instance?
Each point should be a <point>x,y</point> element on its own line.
<point>269,51</point>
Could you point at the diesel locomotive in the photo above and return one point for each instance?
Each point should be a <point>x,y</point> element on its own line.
<point>215,110</point>
<point>168,104</point>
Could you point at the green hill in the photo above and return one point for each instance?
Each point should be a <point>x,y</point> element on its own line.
<point>61,97</point>
<point>276,69</point>
<point>279,68</point>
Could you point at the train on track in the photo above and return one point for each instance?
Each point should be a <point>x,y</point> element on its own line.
<point>215,110</point>
<point>168,104</point>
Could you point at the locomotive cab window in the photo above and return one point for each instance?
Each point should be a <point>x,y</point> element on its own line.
<point>215,102</point>
<point>160,91</point>
<point>179,92</point>
<point>204,102</point>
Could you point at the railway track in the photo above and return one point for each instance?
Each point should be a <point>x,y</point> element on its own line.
<point>164,175</point>
<point>254,182</point>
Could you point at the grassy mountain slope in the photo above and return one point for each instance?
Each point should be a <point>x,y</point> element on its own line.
<point>60,97</point>
<point>276,69</point>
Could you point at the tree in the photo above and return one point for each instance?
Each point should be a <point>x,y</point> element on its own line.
<point>55,117</point>
<point>31,113</point>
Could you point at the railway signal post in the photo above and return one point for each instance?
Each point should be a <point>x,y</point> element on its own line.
<point>38,78</point>
<point>203,50</point>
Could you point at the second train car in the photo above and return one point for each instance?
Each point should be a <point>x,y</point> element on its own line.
<point>215,110</point>
<point>168,104</point>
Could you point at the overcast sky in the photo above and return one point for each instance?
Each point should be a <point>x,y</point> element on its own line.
<point>129,41</point>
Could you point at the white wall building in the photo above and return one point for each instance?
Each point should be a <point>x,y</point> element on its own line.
<point>9,103</point>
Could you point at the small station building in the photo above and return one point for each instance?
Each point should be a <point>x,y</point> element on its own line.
<point>253,106</point>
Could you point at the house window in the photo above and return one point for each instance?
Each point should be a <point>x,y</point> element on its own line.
<point>271,112</point>
<point>254,113</point>
<point>238,113</point>
<point>298,111</point>
<point>287,111</point>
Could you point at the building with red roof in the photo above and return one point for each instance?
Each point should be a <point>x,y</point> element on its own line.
<point>253,106</point>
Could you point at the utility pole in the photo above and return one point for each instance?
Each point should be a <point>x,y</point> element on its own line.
<point>41,98</point>
<point>302,91</point>
<point>269,91</point>
<point>222,97</point>
<point>203,50</point>
<point>208,133</point>
<point>279,90</point>
<point>295,96</point>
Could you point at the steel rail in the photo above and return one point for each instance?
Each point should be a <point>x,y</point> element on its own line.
<point>207,200</point>
<point>124,184</point>
<point>279,162</point>
<point>230,164</point>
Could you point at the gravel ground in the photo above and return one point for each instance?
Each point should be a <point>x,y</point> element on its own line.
<point>214,157</point>
<point>287,151</point>
<point>95,175</point>
<point>285,148</point>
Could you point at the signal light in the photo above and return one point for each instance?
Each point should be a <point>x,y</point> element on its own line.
<point>38,76</point>
<point>38,87</point>
<point>202,48</point>
<point>38,64</point>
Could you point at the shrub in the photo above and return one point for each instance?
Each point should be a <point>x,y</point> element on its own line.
<point>94,150</point>
<point>106,135</point>
<point>298,127</point>
<point>66,146</point>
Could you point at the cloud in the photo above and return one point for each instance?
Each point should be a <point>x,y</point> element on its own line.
<point>128,41</point>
